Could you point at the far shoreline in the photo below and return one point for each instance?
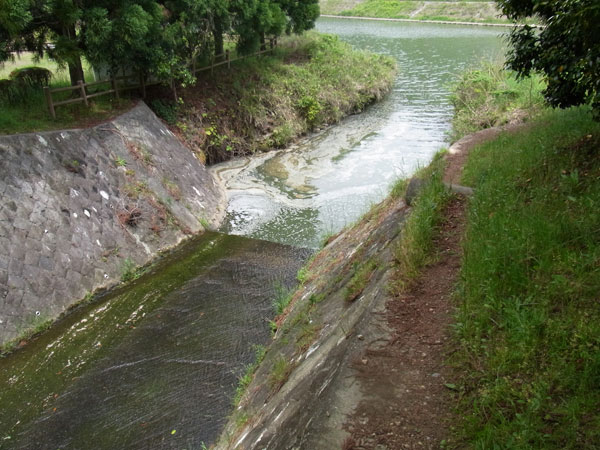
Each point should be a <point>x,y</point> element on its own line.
<point>448,22</point>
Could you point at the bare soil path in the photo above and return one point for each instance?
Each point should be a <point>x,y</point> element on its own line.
<point>405,383</point>
<point>408,404</point>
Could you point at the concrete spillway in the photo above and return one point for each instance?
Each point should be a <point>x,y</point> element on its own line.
<point>153,365</point>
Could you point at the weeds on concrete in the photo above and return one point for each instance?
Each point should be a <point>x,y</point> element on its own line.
<point>246,378</point>
<point>280,372</point>
<point>360,278</point>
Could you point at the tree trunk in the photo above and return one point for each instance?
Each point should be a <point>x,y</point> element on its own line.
<point>75,66</point>
<point>76,71</point>
<point>263,45</point>
<point>218,36</point>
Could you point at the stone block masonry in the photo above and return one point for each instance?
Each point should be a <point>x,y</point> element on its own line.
<point>78,208</point>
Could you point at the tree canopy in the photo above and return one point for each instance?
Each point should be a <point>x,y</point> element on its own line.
<point>158,37</point>
<point>566,49</point>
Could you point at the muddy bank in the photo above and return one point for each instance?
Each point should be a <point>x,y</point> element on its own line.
<point>80,209</point>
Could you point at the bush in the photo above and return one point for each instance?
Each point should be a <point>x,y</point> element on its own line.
<point>32,76</point>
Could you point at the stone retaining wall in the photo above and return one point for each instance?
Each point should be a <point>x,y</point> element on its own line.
<point>81,208</point>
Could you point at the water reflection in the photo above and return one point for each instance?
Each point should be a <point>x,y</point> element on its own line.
<point>342,171</point>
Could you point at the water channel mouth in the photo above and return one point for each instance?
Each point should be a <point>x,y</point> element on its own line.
<point>299,195</point>
<point>153,365</point>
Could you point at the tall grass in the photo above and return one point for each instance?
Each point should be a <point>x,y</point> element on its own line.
<point>416,244</point>
<point>528,324</point>
<point>488,96</point>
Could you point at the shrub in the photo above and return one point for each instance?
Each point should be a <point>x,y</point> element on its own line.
<point>33,76</point>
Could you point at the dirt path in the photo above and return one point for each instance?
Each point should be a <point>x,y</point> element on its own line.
<point>405,384</point>
<point>406,403</point>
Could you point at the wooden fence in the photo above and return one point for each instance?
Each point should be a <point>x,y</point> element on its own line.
<point>82,88</point>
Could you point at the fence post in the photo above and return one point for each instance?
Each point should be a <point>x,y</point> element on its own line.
<point>113,85</point>
<point>272,43</point>
<point>82,92</point>
<point>174,89</point>
<point>227,57</point>
<point>143,85</point>
<point>48,95</point>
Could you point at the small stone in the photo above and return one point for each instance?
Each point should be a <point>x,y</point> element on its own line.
<point>360,337</point>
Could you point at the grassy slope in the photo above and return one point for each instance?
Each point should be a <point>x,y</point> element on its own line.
<point>265,103</point>
<point>467,11</point>
<point>528,325</point>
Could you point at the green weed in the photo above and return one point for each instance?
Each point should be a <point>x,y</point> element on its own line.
<point>246,378</point>
<point>283,297</point>
<point>282,368</point>
<point>528,323</point>
<point>360,279</point>
<point>128,270</point>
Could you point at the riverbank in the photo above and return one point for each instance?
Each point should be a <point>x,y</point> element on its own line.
<point>471,12</point>
<point>306,83</point>
<point>527,318</point>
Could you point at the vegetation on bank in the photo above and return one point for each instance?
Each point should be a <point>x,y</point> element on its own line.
<point>260,103</point>
<point>452,11</point>
<point>527,325</point>
<point>415,248</point>
<point>23,106</point>
<point>264,103</point>
<point>489,96</point>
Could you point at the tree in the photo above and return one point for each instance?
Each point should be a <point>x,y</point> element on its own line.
<point>30,25</point>
<point>126,34</point>
<point>566,49</point>
<point>14,17</point>
<point>301,14</point>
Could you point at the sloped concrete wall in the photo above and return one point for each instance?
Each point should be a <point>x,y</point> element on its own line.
<point>80,207</point>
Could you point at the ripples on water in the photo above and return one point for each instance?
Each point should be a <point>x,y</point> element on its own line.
<point>326,182</point>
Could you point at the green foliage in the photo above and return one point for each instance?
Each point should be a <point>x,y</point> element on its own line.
<point>489,96</point>
<point>382,8</point>
<point>246,378</point>
<point>528,324</point>
<point>282,299</point>
<point>360,278</point>
<point>144,36</point>
<point>282,368</point>
<point>32,76</point>
<point>128,270</point>
<point>165,110</point>
<point>565,50</point>
<point>414,249</point>
<point>310,109</point>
